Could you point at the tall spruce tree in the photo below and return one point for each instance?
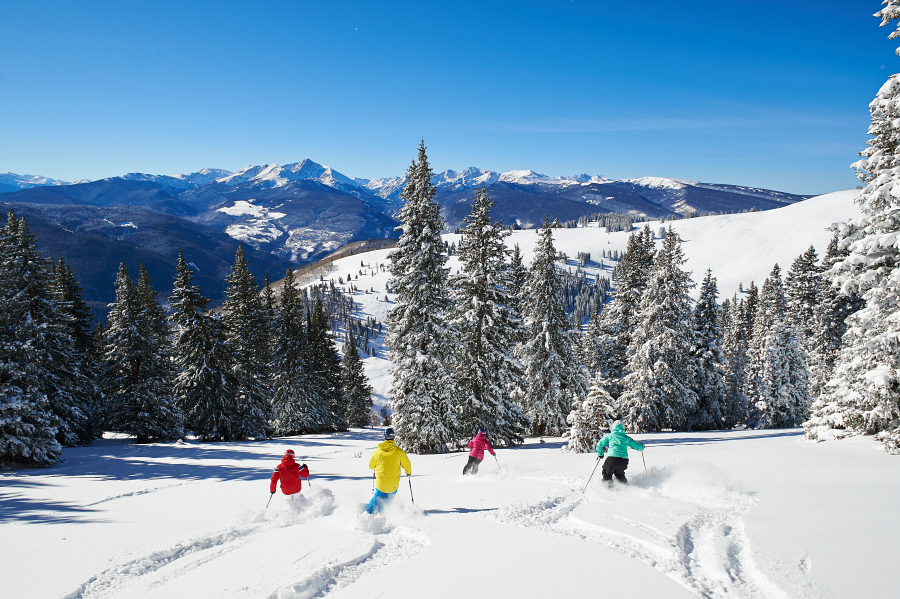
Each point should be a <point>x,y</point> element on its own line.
<point>658,391</point>
<point>324,370</point>
<point>205,383</point>
<point>735,347</point>
<point>802,287</point>
<point>28,422</point>
<point>620,317</point>
<point>778,380</point>
<point>137,376</point>
<point>863,395</point>
<point>554,378</point>
<point>293,403</point>
<point>246,330</point>
<point>709,383</point>
<point>355,386</point>
<point>423,392</point>
<point>489,327</point>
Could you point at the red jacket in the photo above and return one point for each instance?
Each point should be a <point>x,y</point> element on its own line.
<point>478,445</point>
<point>290,473</point>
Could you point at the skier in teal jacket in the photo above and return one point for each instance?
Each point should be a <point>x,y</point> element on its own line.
<point>617,457</point>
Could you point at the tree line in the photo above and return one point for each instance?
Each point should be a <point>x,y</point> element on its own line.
<point>260,366</point>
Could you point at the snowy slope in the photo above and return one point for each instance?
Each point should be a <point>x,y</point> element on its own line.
<point>709,518</point>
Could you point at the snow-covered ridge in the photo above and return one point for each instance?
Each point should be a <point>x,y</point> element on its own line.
<point>27,181</point>
<point>274,175</point>
<point>182,181</point>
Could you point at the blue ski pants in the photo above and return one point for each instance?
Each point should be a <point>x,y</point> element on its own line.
<point>378,500</point>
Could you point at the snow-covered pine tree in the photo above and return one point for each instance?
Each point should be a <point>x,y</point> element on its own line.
<point>658,391</point>
<point>592,417</point>
<point>82,361</point>
<point>863,395</point>
<point>778,379</point>
<point>802,287</point>
<point>28,424</point>
<point>136,376</point>
<point>832,310</point>
<point>423,391</point>
<point>246,330</point>
<point>554,379</point>
<point>324,370</point>
<point>355,386</point>
<point>735,347</point>
<point>205,383</point>
<point>709,383</point>
<point>518,275</point>
<point>751,304</point>
<point>618,319</point>
<point>489,326</point>
<point>46,328</point>
<point>295,409</point>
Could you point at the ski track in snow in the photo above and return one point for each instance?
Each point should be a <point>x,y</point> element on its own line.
<point>135,493</point>
<point>709,554</point>
<point>400,543</point>
<point>194,552</point>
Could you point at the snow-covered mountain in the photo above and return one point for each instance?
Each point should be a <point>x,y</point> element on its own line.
<point>13,182</point>
<point>180,182</point>
<point>272,175</point>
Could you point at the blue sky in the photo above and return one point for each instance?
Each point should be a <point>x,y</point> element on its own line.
<point>752,92</point>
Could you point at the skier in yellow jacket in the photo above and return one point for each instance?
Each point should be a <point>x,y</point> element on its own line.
<point>386,462</point>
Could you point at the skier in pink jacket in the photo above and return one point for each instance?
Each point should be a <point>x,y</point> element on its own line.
<point>478,444</point>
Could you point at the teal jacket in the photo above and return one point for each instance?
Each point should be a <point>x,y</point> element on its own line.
<point>618,443</point>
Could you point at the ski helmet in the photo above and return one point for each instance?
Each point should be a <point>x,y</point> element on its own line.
<point>289,452</point>
<point>388,434</point>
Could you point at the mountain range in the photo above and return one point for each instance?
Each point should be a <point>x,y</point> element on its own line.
<point>298,213</point>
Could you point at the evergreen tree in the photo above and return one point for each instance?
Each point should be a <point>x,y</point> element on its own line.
<point>422,396</point>
<point>246,330</point>
<point>778,377</point>
<point>709,383</point>
<point>28,423</point>
<point>136,373</point>
<point>658,391</point>
<point>295,409</point>
<point>81,357</point>
<point>355,386</point>
<point>619,318</point>
<point>324,370</point>
<point>554,379</point>
<point>735,347</point>
<point>750,308</point>
<point>205,383</point>
<point>489,326</point>
<point>592,418</point>
<point>863,395</point>
<point>518,274</point>
<point>591,351</point>
<point>802,287</point>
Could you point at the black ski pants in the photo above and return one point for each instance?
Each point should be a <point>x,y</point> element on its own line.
<point>472,465</point>
<point>615,466</point>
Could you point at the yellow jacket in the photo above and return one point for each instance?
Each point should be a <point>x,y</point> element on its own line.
<point>386,461</point>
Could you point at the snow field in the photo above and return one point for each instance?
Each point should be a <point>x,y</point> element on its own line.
<point>741,514</point>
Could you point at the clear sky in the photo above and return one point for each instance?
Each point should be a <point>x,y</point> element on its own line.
<point>767,93</point>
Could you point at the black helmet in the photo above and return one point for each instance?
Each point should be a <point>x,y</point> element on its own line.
<point>389,434</point>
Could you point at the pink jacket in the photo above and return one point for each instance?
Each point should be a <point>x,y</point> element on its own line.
<point>478,444</point>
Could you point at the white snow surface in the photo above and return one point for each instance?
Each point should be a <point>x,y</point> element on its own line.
<point>27,181</point>
<point>736,514</point>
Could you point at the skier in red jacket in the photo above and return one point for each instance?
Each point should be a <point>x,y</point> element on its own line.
<point>290,474</point>
<point>478,444</point>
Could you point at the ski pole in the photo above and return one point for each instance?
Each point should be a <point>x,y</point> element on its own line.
<point>645,461</point>
<point>373,481</point>
<point>409,480</point>
<point>591,476</point>
<point>498,462</point>
<point>268,502</point>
